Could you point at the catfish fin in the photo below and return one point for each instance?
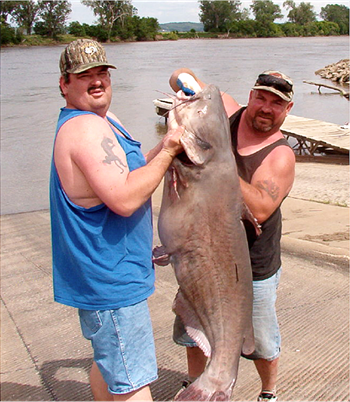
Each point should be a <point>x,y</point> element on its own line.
<point>247,215</point>
<point>191,322</point>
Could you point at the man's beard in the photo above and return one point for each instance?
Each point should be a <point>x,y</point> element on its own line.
<point>263,127</point>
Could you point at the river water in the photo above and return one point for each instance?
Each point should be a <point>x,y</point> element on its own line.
<point>30,98</point>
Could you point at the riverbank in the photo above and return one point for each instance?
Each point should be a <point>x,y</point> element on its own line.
<point>336,72</point>
<point>38,40</point>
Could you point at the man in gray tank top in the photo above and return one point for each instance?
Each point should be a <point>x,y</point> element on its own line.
<point>266,165</point>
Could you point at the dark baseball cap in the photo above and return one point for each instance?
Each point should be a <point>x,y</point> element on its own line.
<point>81,55</point>
<point>277,83</point>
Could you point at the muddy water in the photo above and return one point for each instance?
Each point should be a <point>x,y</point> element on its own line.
<point>30,98</point>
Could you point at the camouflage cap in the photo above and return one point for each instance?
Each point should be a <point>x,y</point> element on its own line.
<point>81,55</point>
<point>277,83</point>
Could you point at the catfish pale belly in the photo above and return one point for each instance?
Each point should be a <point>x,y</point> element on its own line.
<point>201,230</point>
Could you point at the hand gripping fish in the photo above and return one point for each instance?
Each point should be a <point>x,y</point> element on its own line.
<point>201,230</point>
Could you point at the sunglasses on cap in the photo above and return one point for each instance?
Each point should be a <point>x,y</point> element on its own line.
<point>276,82</point>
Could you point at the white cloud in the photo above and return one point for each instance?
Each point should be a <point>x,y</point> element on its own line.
<point>81,13</point>
<point>169,11</point>
<point>176,11</point>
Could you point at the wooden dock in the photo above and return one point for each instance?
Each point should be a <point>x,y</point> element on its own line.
<point>316,137</point>
<point>309,137</point>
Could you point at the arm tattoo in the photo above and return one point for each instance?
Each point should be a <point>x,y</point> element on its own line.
<point>270,187</point>
<point>107,145</point>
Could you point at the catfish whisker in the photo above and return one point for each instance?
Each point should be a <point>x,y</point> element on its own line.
<point>172,96</point>
<point>223,93</point>
<point>184,101</point>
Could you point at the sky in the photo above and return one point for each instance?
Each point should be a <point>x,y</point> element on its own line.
<point>176,10</point>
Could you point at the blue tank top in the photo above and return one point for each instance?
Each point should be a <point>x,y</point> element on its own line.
<point>101,260</point>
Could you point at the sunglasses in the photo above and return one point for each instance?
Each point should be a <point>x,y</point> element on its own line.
<point>272,81</point>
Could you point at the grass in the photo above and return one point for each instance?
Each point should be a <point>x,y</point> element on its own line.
<point>38,40</point>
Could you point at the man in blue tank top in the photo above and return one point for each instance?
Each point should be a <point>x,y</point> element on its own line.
<point>101,224</point>
<point>266,165</point>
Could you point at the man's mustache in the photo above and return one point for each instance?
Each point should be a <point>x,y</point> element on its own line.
<point>265,115</point>
<point>100,88</point>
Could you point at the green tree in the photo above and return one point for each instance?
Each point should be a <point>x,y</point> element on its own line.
<point>96,31</point>
<point>236,14</point>
<point>137,28</point>
<point>146,28</point>
<point>339,14</point>
<point>6,8</point>
<point>25,14</point>
<point>320,28</point>
<point>128,29</point>
<point>76,29</point>
<point>325,28</point>
<point>41,29</point>
<point>54,14</point>
<point>10,35</point>
<point>217,16</point>
<point>302,14</point>
<point>109,12</point>
<point>290,29</point>
<point>265,11</point>
<point>247,28</point>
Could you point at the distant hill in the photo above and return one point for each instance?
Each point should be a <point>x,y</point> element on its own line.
<point>182,26</point>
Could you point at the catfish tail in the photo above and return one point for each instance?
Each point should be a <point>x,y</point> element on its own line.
<point>220,396</point>
<point>194,393</point>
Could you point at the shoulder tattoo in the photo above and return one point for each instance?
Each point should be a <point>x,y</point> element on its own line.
<point>107,145</point>
<point>270,187</point>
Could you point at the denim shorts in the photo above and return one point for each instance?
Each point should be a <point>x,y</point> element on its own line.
<point>123,345</point>
<point>266,329</point>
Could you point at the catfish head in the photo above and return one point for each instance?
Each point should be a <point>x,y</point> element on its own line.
<point>206,138</point>
<point>206,125</point>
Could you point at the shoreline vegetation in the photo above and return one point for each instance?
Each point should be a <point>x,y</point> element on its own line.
<point>119,22</point>
<point>39,40</point>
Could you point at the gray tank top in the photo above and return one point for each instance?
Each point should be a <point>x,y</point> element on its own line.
<point>265,250</point>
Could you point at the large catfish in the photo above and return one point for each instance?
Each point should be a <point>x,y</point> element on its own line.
<point>201,230</point>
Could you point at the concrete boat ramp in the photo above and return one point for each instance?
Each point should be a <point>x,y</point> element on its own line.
<point>308,137</point>
<point>44,357</point>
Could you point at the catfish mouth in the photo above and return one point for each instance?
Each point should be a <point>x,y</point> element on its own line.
<point>184,159</point>
<point>177,173</point>
<point>194,150</point>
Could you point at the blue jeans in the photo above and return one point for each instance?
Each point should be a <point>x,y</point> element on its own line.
<point>123,345</point>
<point>267,335</point>
<point>266,329</point>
